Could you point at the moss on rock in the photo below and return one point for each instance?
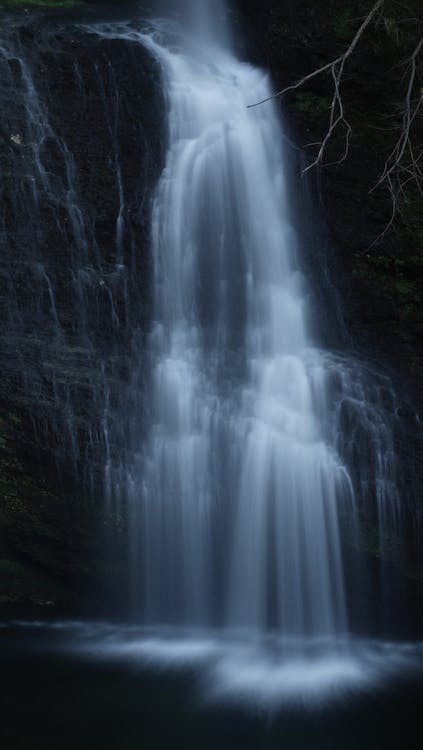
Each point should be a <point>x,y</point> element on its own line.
<point>54,544</point>
<point>41,3</point>
<point>376,264</point>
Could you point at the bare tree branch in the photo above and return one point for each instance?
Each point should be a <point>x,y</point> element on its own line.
<point>410,113</point>
<point>337,113</point>
<point>404,165</point>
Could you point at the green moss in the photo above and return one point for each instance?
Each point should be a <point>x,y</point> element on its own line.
<point>312,105</point>
<point>344,25</point>
<point>405,288</point>
<point>13,575</point>
<point>13,418</point>
<point>20,581</point>
<point>41,3</point>
<point>412,215</point>
<point>397,280</point>
<point>5,433</point>
<point>366,536</point>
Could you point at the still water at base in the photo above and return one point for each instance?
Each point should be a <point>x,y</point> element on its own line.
<point>96,685</point>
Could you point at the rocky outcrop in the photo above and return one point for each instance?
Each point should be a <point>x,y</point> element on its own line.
<point>80,149</point>
<point>59,552</point>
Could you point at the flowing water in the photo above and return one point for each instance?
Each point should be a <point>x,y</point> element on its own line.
<point>234,435</point>
<point>101,686</point>
<point>240,484</point>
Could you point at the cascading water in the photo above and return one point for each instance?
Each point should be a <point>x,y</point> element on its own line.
<point>241,490</point>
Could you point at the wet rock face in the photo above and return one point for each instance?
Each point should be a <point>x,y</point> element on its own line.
<point>81,144</point>
<point>81,147</point>
<point>60,552</point>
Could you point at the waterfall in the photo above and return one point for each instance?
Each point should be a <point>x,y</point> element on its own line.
<point>241,488</point>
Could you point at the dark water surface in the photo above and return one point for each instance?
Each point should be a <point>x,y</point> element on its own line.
<point>79,686</point>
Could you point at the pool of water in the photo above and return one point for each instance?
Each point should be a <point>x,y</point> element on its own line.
<point>75,685</point>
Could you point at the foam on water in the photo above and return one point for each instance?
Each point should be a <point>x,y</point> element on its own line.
<point>264,673</point>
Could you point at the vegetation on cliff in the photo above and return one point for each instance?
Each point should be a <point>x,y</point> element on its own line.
<point>30,4</point>
<point>365,109</point>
